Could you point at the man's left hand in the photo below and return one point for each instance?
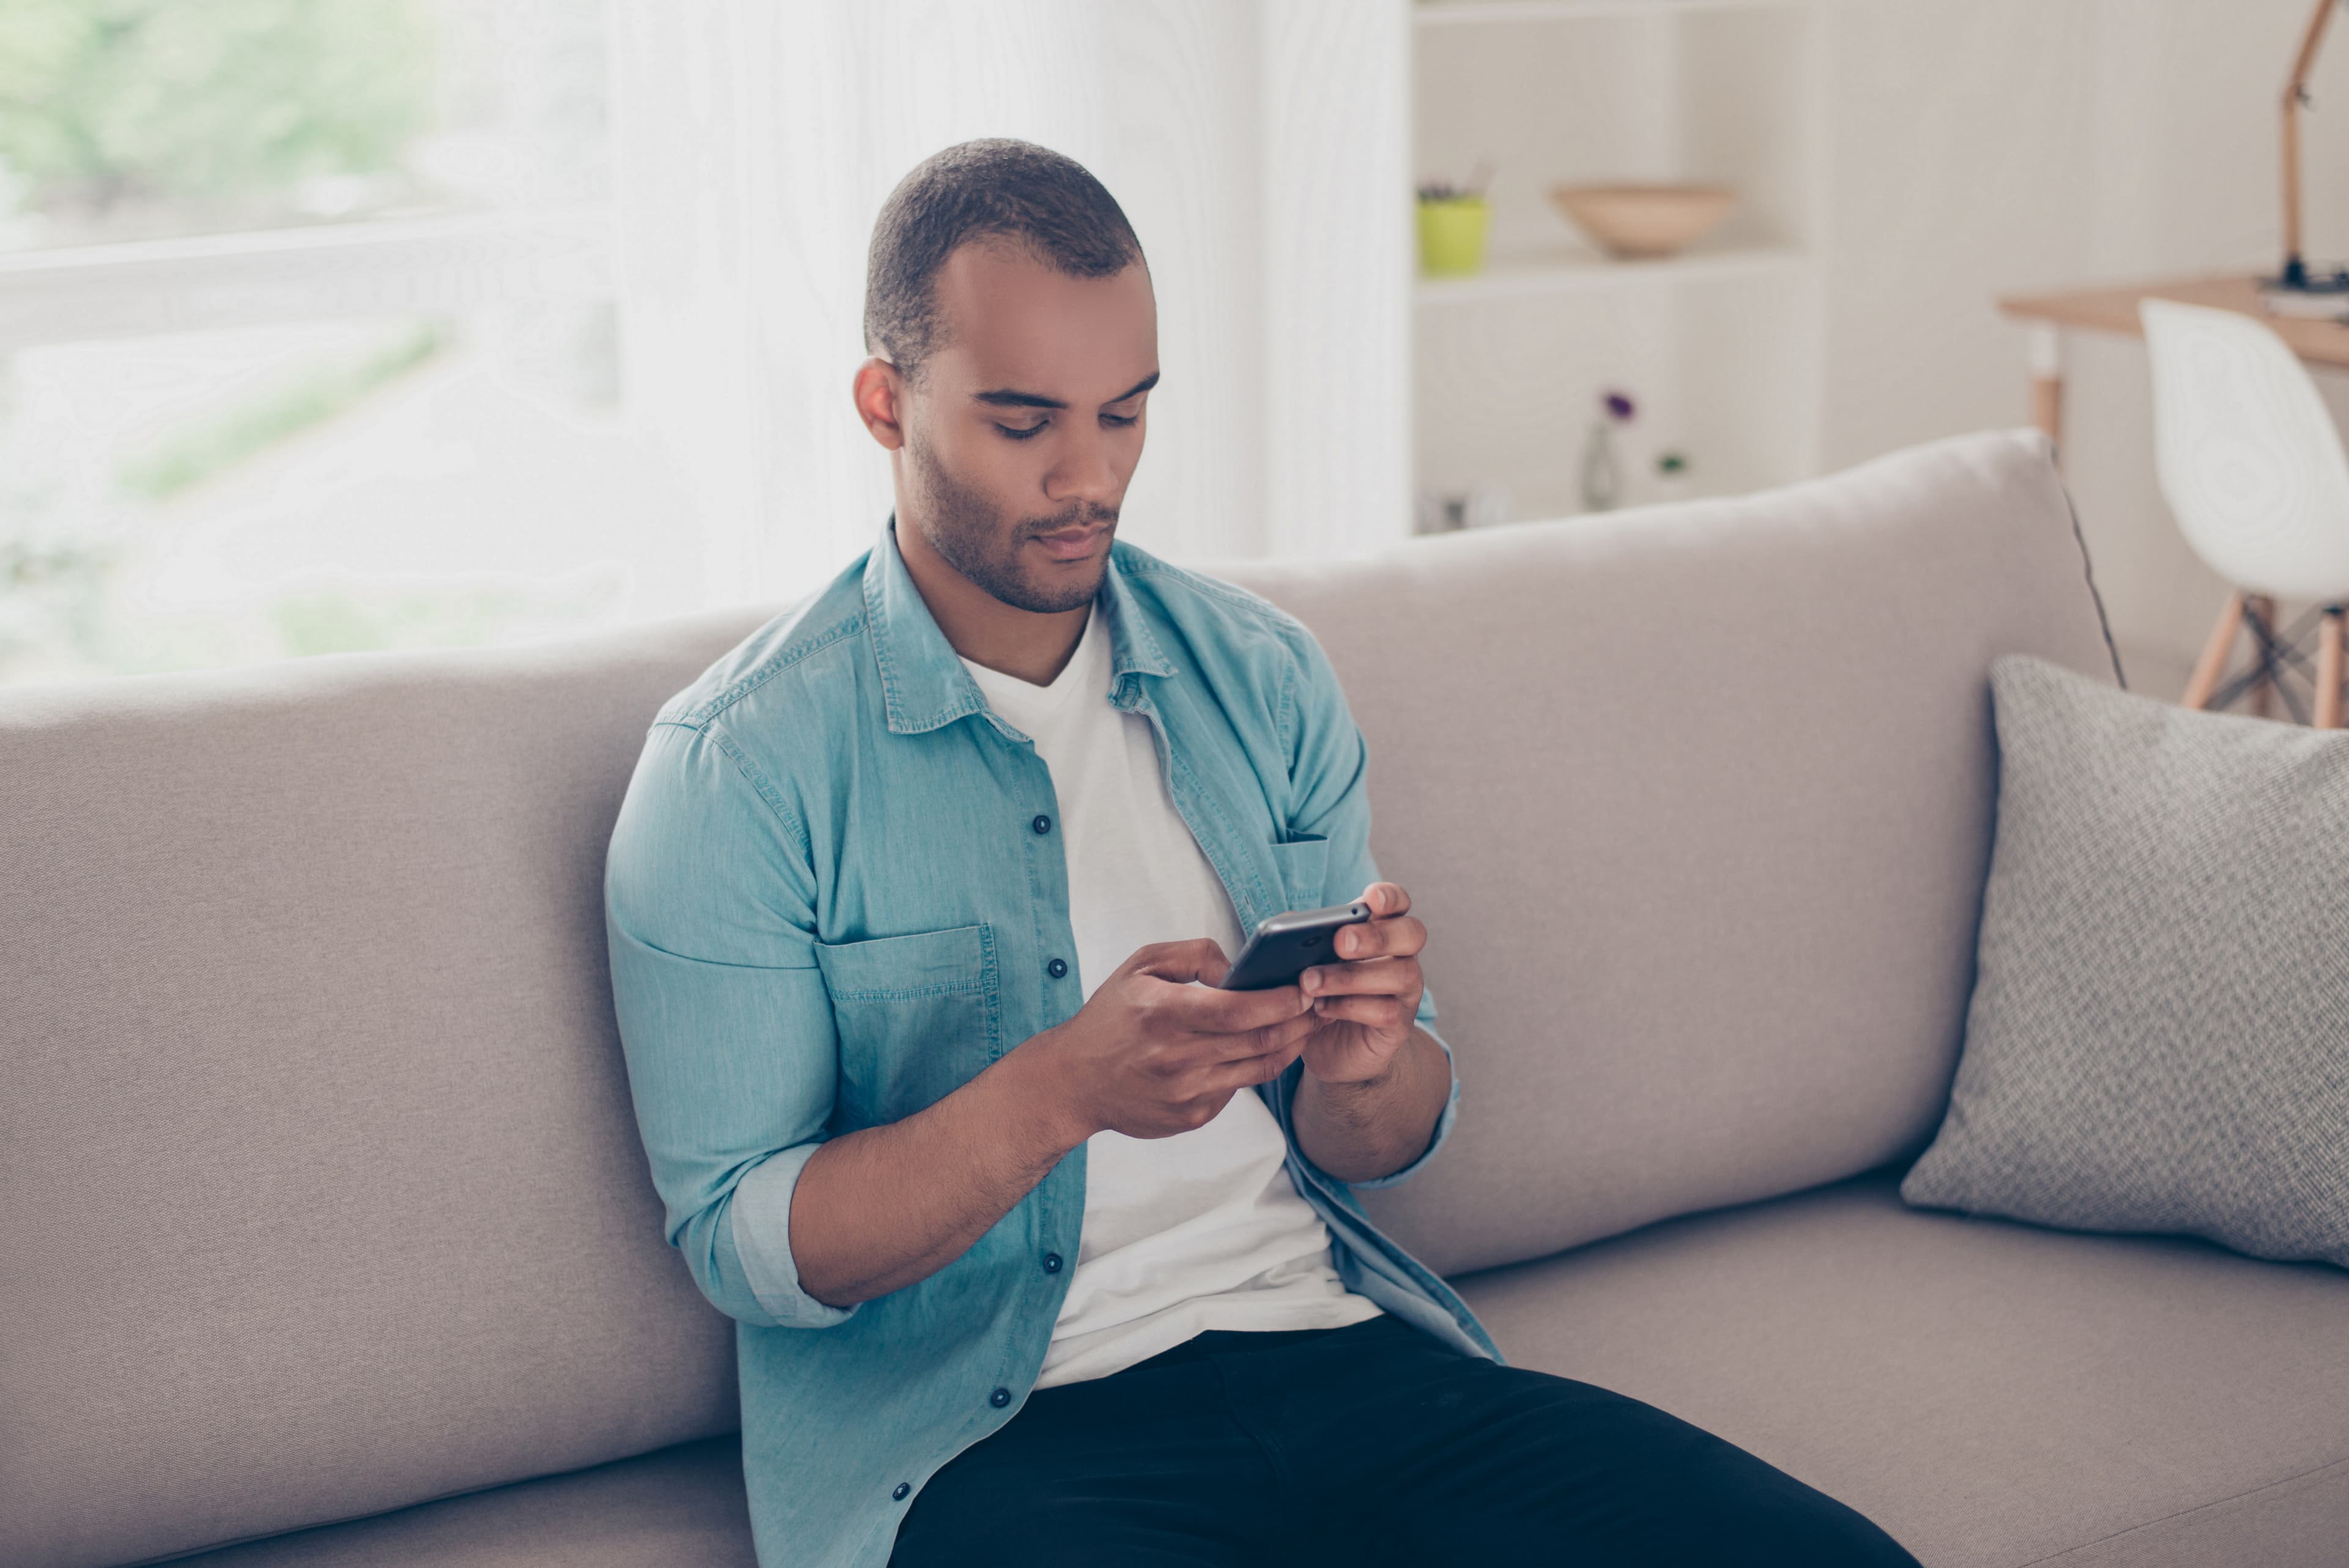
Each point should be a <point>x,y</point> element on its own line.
<point>1366,1003</point>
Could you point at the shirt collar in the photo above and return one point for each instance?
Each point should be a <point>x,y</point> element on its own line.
<point>923,682</point>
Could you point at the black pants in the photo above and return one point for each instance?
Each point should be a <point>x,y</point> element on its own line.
<point>1368,1444</point>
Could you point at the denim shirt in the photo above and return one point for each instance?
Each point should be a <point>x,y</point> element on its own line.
<point>835,893</point>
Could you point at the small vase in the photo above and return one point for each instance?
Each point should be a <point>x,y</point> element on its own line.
<point>1603,478</point>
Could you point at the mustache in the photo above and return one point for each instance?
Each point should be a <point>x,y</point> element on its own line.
<point>1082,515</point>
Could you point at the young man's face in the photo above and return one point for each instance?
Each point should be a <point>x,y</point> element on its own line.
<point>1030,422</point>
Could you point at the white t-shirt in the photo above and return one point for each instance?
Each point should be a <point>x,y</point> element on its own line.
<point>1205,1229</point>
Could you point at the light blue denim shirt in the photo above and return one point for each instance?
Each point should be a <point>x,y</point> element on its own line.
<point>836,892</point>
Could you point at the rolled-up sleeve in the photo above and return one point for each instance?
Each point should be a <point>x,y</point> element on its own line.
<point>1328,777</point>
<point>726,1026</point>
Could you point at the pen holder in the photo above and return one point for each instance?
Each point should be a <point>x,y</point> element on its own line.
<point>1451,236</point>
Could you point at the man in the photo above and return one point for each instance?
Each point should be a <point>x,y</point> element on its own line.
<point>1044,1249</point>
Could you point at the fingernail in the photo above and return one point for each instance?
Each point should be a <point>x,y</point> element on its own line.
<point>1309,980</point>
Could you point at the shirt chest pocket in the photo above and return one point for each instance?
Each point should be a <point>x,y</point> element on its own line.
<point>1304,872</point>
<point>917,1017</point>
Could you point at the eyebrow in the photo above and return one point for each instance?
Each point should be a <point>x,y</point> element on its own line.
<point>1005,398</point>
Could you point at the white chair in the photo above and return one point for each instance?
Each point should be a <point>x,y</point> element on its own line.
<point>2252,464</point>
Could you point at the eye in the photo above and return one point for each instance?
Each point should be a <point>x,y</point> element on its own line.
<point>1029,434</point>
<point>1115,422</point>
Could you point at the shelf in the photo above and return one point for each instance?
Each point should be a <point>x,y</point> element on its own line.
<point>1579,272</point>
<point>1471,12</point>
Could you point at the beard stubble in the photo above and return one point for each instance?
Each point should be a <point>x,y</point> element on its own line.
<point>970,535</point>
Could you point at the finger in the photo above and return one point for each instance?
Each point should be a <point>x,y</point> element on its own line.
<point>1274,1039</point>
<point>1251,1044</point>
<point>1243,1071</point>
<point>1370,1011</point>
<point>1402,934</point>
<point>1206,1010</point>
<point>1379,976</point>
<point>1199,958</point>
<point>1387,898</point>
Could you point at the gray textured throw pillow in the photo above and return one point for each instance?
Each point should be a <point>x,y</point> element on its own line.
<point>2158,1035</point>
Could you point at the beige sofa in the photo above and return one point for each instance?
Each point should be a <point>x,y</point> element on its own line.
<point>326,1230</point>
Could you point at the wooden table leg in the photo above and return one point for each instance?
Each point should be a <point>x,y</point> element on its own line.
<point>2329,654</point>
<point>2044,346</point>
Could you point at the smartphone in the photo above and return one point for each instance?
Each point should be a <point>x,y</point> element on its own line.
<point>1285,946</point>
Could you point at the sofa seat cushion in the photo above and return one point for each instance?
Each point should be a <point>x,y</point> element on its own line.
<point>681,1507</point>
<point>1991,1393</point>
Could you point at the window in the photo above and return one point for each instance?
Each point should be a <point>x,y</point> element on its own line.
<point>307,335</point>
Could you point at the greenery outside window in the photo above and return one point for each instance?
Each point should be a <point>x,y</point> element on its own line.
<point>306,333</point>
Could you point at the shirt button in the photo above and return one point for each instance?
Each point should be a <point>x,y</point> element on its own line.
<point>1042,824</point>
<point>1056,968</point>
<point>1000,1398</point>
<point>900,1491</point>
<point>1051,1263</point>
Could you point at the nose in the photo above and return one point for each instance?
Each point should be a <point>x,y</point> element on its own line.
<point>1086,474</point>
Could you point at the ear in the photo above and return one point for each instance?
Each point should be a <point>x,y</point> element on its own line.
<point>879,393</point>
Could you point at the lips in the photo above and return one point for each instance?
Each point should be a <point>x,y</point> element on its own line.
<point>1071,544</point>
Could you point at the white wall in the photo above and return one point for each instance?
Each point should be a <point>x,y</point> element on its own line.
<point>1262,147</point>
<point>1722,367</point>
<point>1968,149</point>
<point>1987,146</point>
<point>755,142</point>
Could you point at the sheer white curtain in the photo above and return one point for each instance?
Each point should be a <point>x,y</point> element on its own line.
<point>1260,148</point>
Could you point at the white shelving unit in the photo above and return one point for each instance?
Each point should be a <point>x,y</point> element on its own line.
<point>1719,345</point>
<point>1578,270</point>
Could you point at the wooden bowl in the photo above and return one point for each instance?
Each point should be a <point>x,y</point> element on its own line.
<point>1636,221</point>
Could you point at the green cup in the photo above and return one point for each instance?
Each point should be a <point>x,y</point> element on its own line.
<point>1451,236</point>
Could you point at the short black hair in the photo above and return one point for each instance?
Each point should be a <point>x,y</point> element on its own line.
<point>992,187</point>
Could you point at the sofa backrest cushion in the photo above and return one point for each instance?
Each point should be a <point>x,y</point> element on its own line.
<point>323,1193</point>
<point>1696,806</point>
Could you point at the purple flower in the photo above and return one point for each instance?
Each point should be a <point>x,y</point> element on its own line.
<point>1618,405</point>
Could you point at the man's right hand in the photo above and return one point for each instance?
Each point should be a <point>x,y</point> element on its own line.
<point>1152,1054</point>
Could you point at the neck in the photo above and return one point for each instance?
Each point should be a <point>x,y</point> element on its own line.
<point>1034,646</point>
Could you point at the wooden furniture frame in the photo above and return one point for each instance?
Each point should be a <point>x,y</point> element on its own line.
<point>2271,653</point>
<point>2295,95</point>
<point>2114,310</point>
<point>2316,342</point>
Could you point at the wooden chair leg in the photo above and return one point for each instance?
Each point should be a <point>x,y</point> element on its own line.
<point>2262,611</point>
<point>2329,653</point>
<point>2214,653</point>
